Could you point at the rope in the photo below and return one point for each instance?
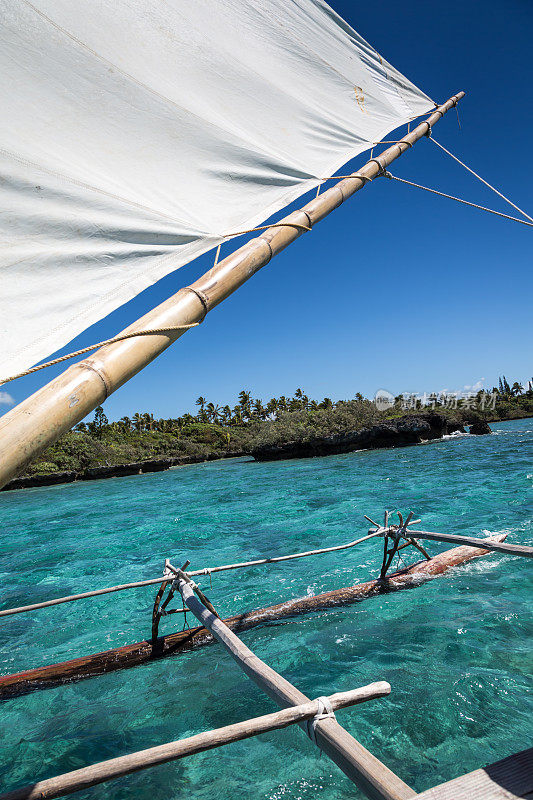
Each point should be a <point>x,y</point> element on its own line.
<point>122,337</point>
<point>266,227</point>
<point>178,327</point>
<point>482,180</point>
<point>260,228</point>
<point>296,225</point>
<point>399,141</point>
<point>354,175</point>
<point>458,199</point>
<point>325,711</point>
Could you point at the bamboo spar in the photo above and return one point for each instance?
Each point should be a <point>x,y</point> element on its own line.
<point>41,419</point>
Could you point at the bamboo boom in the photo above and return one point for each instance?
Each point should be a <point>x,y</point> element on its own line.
<point>41,419</point>
<point>470,541</point>
<point>134,762</point>
<point>365,770</point>
<point>7,612</point>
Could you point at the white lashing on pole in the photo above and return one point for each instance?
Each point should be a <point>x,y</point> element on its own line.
<point>325,711</point>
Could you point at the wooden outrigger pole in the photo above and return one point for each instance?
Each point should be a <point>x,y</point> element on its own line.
<point>376,780</point>
<point>182,641</point>
<point>104,771</point>
<point>41,419</point>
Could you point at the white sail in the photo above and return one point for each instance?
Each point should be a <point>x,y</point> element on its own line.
<point>137,133</point>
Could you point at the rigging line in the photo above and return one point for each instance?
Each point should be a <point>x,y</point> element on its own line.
<point>120,338</point>
<point>151,331</point>
<point>480,178</point>
<point>458,199</point>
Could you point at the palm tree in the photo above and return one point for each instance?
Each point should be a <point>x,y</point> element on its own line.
<point>213,412</point>
<point>148,421</point>
<point>164,425</point>
<point>504,387</point>
<point>126,423</point>
<point>244,398</point>
<point>258,409</point>
<point>516,389</point>
<point>218,414</point>
<point>302,397</point>
<point>272,407</point>
<point>138,422</point>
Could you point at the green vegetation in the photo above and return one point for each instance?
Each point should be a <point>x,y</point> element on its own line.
<point>221,430</point>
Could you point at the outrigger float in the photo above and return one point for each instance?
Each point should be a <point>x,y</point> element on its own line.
<point>316,717</point>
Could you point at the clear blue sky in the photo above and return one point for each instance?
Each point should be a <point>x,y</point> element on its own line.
<point>397,289</point>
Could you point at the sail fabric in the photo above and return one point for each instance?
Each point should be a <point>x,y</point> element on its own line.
<point>137,134</point>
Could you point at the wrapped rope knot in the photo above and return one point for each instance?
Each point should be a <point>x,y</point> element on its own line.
<point>325,711</point>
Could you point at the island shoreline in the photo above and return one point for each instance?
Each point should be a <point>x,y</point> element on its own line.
<point>374,438</point>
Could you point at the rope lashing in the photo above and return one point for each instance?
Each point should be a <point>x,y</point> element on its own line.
<point>380,166</point>
<point>389,141</point>
<point>517,208</point>
<point>325,711</point>
<point>121,338</point>
<point>353,176</point>
<point>266,227</point>
<point>260,228</point>
<point>399,141</point>
<point>458,199</point>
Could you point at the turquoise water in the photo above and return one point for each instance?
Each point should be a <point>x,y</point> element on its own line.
<point>455,650</point>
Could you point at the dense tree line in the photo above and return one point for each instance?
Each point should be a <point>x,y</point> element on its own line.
<point>247,410</point>
<point>216,430</point>
<point>252,410</point>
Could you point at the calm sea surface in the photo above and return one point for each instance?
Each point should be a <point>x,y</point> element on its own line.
<point>455,651</point>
